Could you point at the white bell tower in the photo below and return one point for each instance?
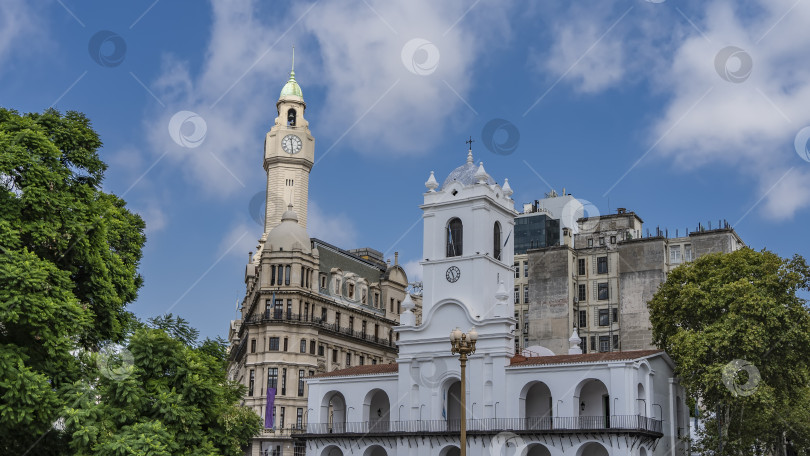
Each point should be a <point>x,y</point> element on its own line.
<point>468,241</point>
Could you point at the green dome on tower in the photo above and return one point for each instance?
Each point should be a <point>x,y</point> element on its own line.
<point>291,88</point>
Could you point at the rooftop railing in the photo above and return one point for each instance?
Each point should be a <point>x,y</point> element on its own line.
<point>611,423</point>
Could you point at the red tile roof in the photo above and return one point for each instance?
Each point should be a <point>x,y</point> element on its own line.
<point>519,360</point>
<point>368,369</point>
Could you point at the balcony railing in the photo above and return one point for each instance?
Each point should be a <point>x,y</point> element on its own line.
<point>280,316</point>
<point>622,423</point>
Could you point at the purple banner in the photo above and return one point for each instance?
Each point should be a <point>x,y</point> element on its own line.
<point>268,411</point>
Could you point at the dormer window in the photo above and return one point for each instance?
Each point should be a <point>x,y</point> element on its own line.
<point>350,290</point>
<point>454,237</point>
<point>291,117</point>
<point>496,241</point>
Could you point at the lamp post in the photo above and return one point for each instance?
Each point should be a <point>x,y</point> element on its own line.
<point>463,344</point>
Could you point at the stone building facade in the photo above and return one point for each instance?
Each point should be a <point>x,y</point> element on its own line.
<point>310,307</point>
<point>600,280</point>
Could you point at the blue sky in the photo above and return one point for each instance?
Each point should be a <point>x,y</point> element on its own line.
<point>683,111</point>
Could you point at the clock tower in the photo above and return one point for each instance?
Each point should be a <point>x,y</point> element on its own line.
<point>468,241</point>
<point>289,153</point>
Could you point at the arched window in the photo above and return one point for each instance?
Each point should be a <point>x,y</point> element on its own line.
<point>496,241</point>
<point>291,117</point>
<point>454,238</point>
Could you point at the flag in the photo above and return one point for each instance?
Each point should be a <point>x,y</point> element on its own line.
<point>268,410</point>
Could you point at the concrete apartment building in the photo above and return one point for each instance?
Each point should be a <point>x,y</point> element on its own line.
<point>310,307</point>
<point>600,279</point>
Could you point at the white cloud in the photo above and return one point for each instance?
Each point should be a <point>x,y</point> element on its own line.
<point>238,241</point>
<point>413,270</point>
<point>337,229</point>
<point>21,28</point>
<point>351,51</point>
<point>154,217</point>
<point>706,120</point>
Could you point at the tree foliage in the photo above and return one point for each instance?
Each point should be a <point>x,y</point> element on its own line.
<point>69,256</point>
<point>740,337</point>
<point>173,399</point>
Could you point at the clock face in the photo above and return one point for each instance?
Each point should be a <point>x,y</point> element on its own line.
<point>453,274</point>
<point>291,144</point>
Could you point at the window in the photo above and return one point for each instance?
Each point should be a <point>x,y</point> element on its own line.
<point>496,241</point>
<point>593,343</point>
<point>590,242</point>
<point>253,345</point>
<point>283,381</point>
<point>517,295</point>
<point>323,281</point>
<point>280,275</point>
<point>272,377</point>
<point>301,383</point>
<point>601,241</point>
<point>323,314</point>
<point>299,418</point>
<point>252,380</point>
<point>278,308</point>
<point>289,309</point>
<point>526,294</point>
<point>268,306</point>
<point>454,238</point>
<point>604,317</point>
<point>525,269</point>
<point>273,344</point>
<point>348,359</point>
<point>337,318</point>
<point>291,117</point>
<point>615,342</point>
<point>613,239</point>
<point>361,360</point>
<point>582,292</point>
<point>287,275</point>
<point>583,343</point>
<point>320,350</point>
<point>675,254</point>
<point>334,355</point>
<point>517,270</point>
<point>581,266</point>
<point>615,312</point>
<point>601,265</point>
<point>312,347</point>
<point>583,318</point>
<point>272,275</point>
<point>399,303</point>
<point>525,322</point>
<point>350,290</point>
<point>392,305</point>
<point>604,343</point>
<point>363,325</point>
<point>303,346</point>
<point>373,361</point>
<point>285,344</point>
<point>306,311</point>
<point>603,291</point>
<point>351,323</point>
<point>281,418</point>
<point>687,252</point>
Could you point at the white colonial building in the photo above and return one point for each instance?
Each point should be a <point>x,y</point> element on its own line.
<point>619,403</point>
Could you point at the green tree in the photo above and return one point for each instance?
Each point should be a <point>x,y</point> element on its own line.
<point>740,337</point>
<point>170,398</point>
<point>69,254</point>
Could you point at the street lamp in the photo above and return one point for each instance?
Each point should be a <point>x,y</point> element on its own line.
<point>463,344</point>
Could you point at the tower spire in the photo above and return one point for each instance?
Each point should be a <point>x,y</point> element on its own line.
<point>293,60</point>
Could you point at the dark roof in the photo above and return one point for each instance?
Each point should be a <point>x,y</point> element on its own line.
<point>368,369</point>
<point>519,360</point>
